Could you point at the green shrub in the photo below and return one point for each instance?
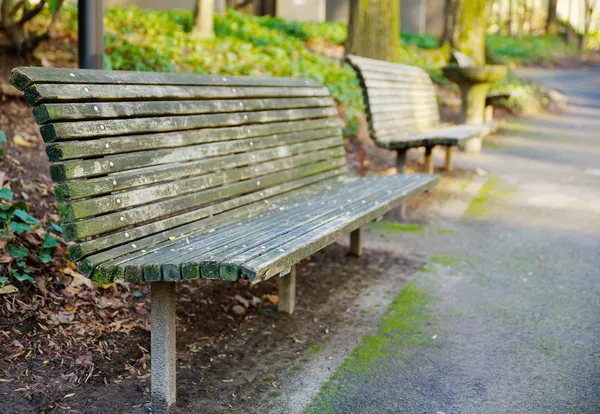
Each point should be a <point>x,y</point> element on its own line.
<point>422,41</point>
<point>528,50</point>
<point>27,245</point>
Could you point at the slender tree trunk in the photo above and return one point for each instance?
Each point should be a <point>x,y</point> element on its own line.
<point>552,19</point>
<point>374,29</point>
<point>510,17</point>
<point>204,11</point>
<point>468,35</point>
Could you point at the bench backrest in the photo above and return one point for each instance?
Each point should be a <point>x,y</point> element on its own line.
<point>140,154</point>
<point>400,100</point>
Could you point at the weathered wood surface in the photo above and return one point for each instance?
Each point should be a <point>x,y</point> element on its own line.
<point>106,110</point>
<point>164,176</point>
<point>21,78</point>
<point>225,252</point>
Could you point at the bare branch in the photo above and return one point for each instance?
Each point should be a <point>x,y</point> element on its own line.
<point>29,14</point>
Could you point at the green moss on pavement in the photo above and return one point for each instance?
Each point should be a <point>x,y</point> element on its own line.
<point>491,194</point>
<point>406,324</point>
<point>387,227</point>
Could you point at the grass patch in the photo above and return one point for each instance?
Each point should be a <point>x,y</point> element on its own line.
<point>493,191</point>
<point>387,227</point>
<point>446,231</point>
<point>405,324</point>
<point>314,349</point>
<point>443,259</point>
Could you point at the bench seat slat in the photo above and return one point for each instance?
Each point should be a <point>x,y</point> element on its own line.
<point>449,135</point>
<point>103,128</point>
<point>183,257</point>
<point>328,219</point>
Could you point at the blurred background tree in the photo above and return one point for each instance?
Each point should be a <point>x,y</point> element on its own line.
<point>16,14</point>
<point>374,29</point>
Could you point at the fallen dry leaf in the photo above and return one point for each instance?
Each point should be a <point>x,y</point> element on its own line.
<point>5,259</point>
<point>8,289</point>
<point>274,299</point>
<point>21,141</point>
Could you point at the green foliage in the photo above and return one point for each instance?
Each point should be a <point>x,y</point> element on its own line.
<point>21,236</point>
<point>522,93</point>
<point>528,50</point>
<point>145,40</point>
<point>2,141</point>
<point>422,41</point>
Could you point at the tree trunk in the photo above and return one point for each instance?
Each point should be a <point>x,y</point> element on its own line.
<point>374,29</point>
<point>510,17</point>
<point>204,11</point>
<point>552,19</point>
<point>468,35</point>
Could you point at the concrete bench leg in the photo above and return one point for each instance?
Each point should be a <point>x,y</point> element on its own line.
<point>287,292</point>
<point>356,243</point>
<point>489,113</point>
<point>162,352</point>
<point>448,158</point>
<point>401,161</point>
<point>400,211</point>
<point>428,160</point>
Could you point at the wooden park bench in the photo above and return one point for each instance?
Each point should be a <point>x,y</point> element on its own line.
<point>402,111</point>
<point>166,177</point>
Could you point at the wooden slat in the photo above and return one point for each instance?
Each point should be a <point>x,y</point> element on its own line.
<point>180,186</point>
<point>39,93</point>
<point>106,110</point>
<point>147,235</point>
<point>184,256</point>
<point>280,258</point>
<point>114,221</point>
<point>21,78</point>
<point>129,161</point>
<point>226,265</point>
<point>86,129</point>
<point>78,189</point>
<point>114,145</point>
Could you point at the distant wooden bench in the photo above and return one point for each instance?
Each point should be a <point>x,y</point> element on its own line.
<point>402,111</point>
<point>166,177</point>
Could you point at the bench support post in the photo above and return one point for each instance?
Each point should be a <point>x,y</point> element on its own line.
<point>162,353</point>
<point>401,161</point>
<point>287,292</point>
<point>449,158</point>
<point>356,244</point>
<point>428,160</point>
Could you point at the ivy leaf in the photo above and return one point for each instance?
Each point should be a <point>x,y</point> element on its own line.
<point>2,137</point>
<point>45,256</point>
<point>3,279</point>
<point>56,227</point>
<point>18,228</point>
<point>26,217</point>
<point>22,276</point>
<point>17,253</point>
<point>6,194</point>
<point>49,242</point>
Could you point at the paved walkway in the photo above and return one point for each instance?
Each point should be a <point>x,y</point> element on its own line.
<point>507,319</point>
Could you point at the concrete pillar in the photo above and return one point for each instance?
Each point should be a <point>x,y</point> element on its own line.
<point>287,292</point>
<point>449,158</point>
<point>356,244</point>
<point>428,160</point>
<point>163,355</point>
